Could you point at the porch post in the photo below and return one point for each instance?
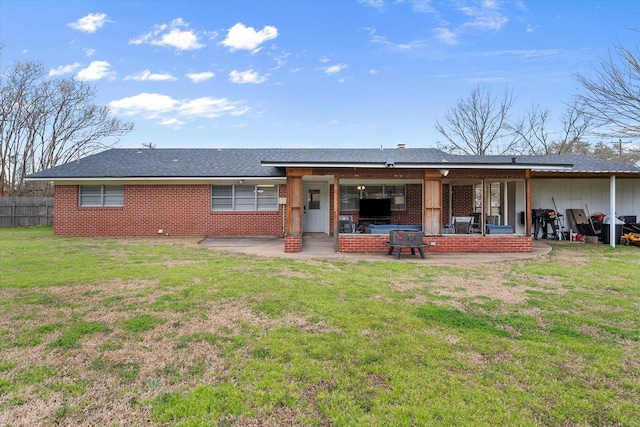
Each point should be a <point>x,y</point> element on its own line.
<point>294,203</point>
<point>336,213</point>
<point>527,208</point>
<point>612,211</point>
<point>432,202</point>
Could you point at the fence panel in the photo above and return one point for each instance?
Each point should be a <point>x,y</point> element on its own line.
<point>25,211</point>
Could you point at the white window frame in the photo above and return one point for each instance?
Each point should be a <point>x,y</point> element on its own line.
<point>244,198</point>
<point>101,196</point>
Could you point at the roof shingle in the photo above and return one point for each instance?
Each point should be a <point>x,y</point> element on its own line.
<point>269,163</point>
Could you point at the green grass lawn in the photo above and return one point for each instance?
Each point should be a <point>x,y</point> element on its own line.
<point>160,331</point>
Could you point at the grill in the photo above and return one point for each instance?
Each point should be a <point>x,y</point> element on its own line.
<point>542,219</point>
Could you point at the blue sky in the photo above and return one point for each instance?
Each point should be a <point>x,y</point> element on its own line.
<point>345,74</point>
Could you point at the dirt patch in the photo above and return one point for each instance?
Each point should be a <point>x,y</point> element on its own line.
<point>491,286</point>
<point>569,258</point>
<point>495,283</point>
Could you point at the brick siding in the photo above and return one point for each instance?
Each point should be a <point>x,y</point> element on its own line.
<point>185,210</point>
<point>178,210</point>
<point>374,243</point>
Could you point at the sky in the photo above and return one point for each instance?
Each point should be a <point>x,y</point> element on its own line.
<point>311,73</point>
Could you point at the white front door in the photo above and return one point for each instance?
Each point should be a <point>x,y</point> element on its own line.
<point>316,208</point>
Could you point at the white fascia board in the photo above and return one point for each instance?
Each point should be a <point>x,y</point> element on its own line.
<point>323,165</point>
<point>502,166</point>
<point>159,180</point>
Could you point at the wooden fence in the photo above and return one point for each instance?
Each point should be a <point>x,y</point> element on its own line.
<point>25,211</point>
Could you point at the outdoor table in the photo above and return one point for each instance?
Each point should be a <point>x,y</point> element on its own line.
<point>411,239</point>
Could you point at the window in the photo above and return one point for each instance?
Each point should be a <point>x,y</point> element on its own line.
<point>244,197</point>
<point>350,195</point>
<point>101,195</point>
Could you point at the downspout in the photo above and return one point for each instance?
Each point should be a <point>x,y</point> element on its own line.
<point>612,211</point>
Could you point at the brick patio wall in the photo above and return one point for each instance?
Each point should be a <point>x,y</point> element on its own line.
<point>374,243</point>
<point>178,210</point>
<point>292,244</point>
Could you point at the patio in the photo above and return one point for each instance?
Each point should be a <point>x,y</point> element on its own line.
<point>321,247</point>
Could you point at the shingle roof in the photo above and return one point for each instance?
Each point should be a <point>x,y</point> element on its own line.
<point>165,163</point>
<point>266,163</point>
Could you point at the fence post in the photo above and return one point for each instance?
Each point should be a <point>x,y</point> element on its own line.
<point>13,215</point>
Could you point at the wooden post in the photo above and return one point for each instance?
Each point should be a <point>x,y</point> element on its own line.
<point>294,206</point>
<point>432,202</point>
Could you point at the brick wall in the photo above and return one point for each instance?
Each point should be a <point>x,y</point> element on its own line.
<point>411,215</point>
<point>461,200</point>
<point>374,243</point>
<point>292,244</point>
<point>179,210</point>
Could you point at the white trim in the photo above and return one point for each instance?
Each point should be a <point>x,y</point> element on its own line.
<point>510,166</point>
<point>162,180</point>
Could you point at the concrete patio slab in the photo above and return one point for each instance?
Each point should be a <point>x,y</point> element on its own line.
<point>273,247</point>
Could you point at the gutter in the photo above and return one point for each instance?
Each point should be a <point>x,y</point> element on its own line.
<point>157,178</point>
<point>502,166</point>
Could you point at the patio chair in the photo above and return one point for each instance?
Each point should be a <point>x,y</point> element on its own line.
<point>474,225</point>
<point>346,224</point>
<point>461,224</point>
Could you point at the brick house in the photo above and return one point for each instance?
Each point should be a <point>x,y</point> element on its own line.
<point>293,192</point>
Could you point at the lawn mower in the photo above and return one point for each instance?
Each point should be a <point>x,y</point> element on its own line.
<point>631,235</point>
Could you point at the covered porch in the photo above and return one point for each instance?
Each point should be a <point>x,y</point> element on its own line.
<point>364,204</point>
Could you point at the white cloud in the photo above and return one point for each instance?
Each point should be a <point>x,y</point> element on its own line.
<point>241,37</point>
<point>90,23</point>
<point>248,76</point>
<point>531,53</point>
<point>171,35</point>
<point>181,40</point>
<point>412,46</point>
<point>95,71</point>
<point>378,4</point>
<point>89,52</point>
<point>210,108</point>
<point>334,69</point>
<point>200,77</point>
<point>150,105</point>
<point>422,6</point>
<point>280,59</point>
<point>490,4</point>
<point>373,71</point>
<point>486,18</point>
<point>445,35</point>
<point>64,69</point>
<point>175,112</point>
<point>147,75</point>
<point>173,123</point>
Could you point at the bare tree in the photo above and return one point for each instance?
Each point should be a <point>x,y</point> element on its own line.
<point>44,123</point>
<point>532,136</point>
<point>478,124</point>
<point>612,96</point>
<point>576,127</point>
